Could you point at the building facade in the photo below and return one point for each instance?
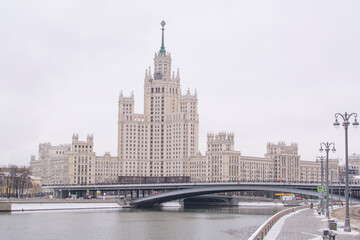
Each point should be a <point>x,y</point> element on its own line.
<point>287,161</point>
<point>52,164</point>
<point>163,142</point>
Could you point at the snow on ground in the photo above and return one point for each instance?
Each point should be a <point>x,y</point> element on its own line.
<point>340,228</point>
<point>175,204</point>
<point>260,204</point>
<point>60,206</point>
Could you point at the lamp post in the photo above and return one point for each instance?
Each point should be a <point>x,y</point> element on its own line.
<point>331,190</point>
<point>327,146</point>
<point>346,124</point>
<point>318,158</point>
<point>339,183</point>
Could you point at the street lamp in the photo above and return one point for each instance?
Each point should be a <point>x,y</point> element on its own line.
<point>327,146</point>
<point>318,158</point>
<point>346,124</point>
<point>331,190</point>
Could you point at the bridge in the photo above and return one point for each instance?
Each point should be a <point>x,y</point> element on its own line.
<point>191,192</point>
<point>173,191</point>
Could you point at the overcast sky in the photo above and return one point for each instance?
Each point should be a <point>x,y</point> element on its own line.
<point>267,71</point>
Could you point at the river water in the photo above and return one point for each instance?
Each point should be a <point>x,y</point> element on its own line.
<point>166,223</point>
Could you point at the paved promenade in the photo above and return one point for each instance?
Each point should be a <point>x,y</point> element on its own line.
<point>307,224</point>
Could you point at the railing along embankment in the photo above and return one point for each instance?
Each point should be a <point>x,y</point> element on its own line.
<point>261,232</point>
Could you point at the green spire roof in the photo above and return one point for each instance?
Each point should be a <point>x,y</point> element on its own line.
<point>162,49</point>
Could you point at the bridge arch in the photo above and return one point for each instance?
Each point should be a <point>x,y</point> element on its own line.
<point>191,192</point>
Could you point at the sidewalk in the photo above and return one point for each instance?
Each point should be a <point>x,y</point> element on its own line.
<point>306,225</point>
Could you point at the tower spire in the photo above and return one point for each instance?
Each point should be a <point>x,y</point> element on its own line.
<point>162,49</point>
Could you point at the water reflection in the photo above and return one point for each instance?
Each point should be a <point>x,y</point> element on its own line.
<point>225,210</point>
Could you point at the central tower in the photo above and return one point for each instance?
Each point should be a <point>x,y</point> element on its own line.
<point>162,86</point>
<point>166,135</point>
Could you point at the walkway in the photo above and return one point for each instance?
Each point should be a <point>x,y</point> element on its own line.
<point>306,225</point>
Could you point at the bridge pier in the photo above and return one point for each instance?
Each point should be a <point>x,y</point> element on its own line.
<point>211,200</point>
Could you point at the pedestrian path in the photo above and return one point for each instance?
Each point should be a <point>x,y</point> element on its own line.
<point>306,224</point>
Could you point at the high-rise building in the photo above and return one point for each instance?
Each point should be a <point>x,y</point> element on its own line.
<point>159,141</point>
<point>163,142</point>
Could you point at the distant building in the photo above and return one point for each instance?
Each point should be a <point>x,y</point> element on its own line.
<point>354,164</point>
<point>163,142</point>
<point>287,161</point>
<point>35,186</point>
<point>52,164</point>
<point>310,172</point>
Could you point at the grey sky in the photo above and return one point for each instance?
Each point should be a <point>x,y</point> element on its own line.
<point>268,71</point>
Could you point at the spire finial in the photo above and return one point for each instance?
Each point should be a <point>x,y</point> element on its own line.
<point>162,49</point>
<point>163,24</point>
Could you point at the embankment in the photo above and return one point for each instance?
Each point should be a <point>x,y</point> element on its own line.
<point>261,232</point>
<point>55,204</point>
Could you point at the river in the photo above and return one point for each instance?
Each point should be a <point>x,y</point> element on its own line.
<point>158,224</point>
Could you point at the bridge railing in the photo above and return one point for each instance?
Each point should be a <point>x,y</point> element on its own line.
<point>261,232</point>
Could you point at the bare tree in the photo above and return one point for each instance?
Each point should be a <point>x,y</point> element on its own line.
<point>16,180</point>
